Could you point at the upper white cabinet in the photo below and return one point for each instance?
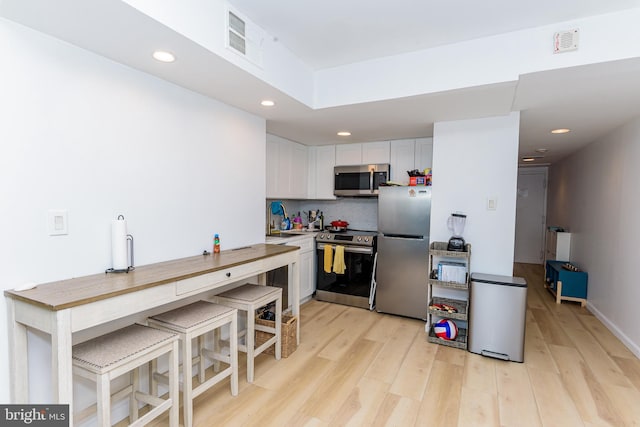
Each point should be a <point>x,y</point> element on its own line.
<point>363,153</point>
<point>424,153</point>
<point>286,168</point>
<point>402,159</point>
<point>409,154</point>
<point>322,159</point>
<point>375,152</point>
<point>348,154</point>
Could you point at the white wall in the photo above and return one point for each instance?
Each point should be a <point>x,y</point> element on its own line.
<point>594,193</point>
<point>472,161</point>
<point>98,139</point>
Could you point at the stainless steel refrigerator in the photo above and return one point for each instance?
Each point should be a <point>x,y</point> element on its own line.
<point>402,273</point>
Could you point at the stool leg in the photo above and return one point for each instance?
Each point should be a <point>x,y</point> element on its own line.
<point>153,384</point>
<point>250,338</point>
<point>104,400</point>
<point>216,347</point>
<point>187,380</point>
<point>202,364</point>
<point>233,348</point>
<point>174,390</point>
<point>278,328</point>
<point>133,402</point>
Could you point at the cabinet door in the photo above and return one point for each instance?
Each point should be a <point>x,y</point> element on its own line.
<point>375,152</point>
<point>348,154</point>
<point>402,159</point>
<point>307,275</point>
<point>298,174</point>
<point>423,153</point>
<point>273,154</point>
<point>325,161</point>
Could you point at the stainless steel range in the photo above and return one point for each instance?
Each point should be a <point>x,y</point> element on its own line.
<point>354,285</point>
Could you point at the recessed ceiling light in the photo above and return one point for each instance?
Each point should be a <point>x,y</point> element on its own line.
<point>267,103</point>
<point>528,159</point>
<point>344,133</point>
<point>163,56</point>
<point>542,150</point>
<point>561,130</point>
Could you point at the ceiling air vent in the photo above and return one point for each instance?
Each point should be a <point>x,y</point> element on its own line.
<point>244,37</point>
<point>565,41</point>
<point>237,39</point>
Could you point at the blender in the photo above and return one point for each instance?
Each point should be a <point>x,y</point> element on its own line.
<point>455,223</point>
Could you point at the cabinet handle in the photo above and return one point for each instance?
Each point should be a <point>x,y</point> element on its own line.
<point>229,274</point>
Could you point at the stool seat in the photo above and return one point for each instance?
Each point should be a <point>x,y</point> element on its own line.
<point>106,352</point>
<point>249,298</point>
<point>106,357</point>
<point>250,293</point>
<point>192,315</point>
<point>195,321</point>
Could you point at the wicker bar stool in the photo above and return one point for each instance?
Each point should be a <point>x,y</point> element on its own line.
<point>249,298</point>
<point>123,351</point>
<point>191,322</point>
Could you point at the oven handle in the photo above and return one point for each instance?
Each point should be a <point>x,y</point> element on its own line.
<point>350,249</point>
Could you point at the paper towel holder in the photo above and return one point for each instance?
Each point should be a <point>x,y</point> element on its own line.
<point>130,253</point>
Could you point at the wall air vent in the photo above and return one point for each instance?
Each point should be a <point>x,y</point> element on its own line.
<point>244,37</point>
<point>565,41</point>
<point>237,39</point>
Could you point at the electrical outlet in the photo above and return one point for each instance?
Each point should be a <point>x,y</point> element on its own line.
<point>57,222</point>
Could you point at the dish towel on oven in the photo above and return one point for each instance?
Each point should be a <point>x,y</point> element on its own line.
<point>338,261</point>
<point>328,258</point>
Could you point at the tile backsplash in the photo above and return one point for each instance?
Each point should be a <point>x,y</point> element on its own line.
<point>360,213</point>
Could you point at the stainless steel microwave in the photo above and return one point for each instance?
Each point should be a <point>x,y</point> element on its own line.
<point>360,180</point>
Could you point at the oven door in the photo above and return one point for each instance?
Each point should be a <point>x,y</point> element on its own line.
<point>354,286</point>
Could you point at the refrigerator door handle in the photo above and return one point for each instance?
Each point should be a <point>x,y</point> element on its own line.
<point>402,236</point>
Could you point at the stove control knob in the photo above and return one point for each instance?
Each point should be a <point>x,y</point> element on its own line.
<point>321,236</point>
<point>366,240</point>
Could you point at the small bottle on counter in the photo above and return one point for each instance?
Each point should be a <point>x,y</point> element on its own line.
<point>321,221</point>
<point>216,244</point>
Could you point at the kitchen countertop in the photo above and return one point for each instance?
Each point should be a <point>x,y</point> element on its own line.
<point>290,236</point>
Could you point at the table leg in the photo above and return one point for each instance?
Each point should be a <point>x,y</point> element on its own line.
<point>61,364</point>
<point>294,279</point>
<point>19,362</point>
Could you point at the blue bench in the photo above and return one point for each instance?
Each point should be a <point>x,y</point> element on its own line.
<point>565,284</point>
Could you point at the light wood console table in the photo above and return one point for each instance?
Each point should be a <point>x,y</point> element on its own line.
<point>63,308</point>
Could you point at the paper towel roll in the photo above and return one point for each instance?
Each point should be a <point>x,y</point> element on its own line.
<point>119,244</point>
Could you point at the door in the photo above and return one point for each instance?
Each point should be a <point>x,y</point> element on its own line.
<point>402,276</point>
<point>530,215</point>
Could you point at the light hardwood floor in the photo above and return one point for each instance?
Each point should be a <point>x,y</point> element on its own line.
<point>361,368</point>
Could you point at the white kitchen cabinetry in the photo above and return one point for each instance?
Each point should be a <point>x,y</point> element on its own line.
<point>322,159</point>
<point>307,269</point>
<point>375,152</point>
<point>409,154</point>
<point>423,153</point>
<point>348,154</point>
<point>558,246</point>
<point>362,154</point>
<point>286,169</point>
<point>402,159</point>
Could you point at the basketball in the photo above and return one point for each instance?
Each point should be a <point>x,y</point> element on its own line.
<point>446,329</point>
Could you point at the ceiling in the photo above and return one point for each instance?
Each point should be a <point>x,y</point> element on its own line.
<point>591,100</point>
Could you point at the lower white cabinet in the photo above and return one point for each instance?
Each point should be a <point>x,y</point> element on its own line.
<point>307,267</point>
<point>558,246</point>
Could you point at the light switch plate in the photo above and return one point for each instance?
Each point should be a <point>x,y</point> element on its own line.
<point>57,222</point>
<point>492,203</point>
